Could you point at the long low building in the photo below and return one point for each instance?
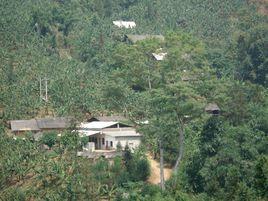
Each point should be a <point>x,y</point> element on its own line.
<point>110,135</point>
<point>124,24</point>
<point>38,125</point>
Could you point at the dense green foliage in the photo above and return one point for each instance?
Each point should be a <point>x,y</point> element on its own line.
<point>28,171</point>
<point>49,139</point>
<point>216,53</point>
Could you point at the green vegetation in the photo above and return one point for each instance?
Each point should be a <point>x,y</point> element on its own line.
<point>49,139</point>
<point>216,53</point>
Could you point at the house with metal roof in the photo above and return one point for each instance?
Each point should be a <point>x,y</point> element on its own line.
<point>124,24</point>
<point>19,126</point>
<point>108,135</point>
<point>159,56</point>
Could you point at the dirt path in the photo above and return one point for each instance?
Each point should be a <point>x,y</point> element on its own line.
<point>155,171</point>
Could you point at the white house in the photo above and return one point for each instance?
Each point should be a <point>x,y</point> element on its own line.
<point>159,56</point>
<point>108,135</point>
<point>125,24</point>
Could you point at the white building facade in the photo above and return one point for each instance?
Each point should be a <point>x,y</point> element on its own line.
<point>110,135</point>
<point>125,24</point>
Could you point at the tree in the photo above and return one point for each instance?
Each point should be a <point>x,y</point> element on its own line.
<point>252,55</point>
<point>261,176</point>
<point>142,169</point>
<point>49,139</point>
<point>177,100</point>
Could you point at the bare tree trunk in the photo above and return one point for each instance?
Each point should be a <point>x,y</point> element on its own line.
<point>181,147</point>
<point>162,178</point>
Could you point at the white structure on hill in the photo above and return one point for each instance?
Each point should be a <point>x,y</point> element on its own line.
<point>124,24</point>
<point>108,135</point>
<point>159,56</point>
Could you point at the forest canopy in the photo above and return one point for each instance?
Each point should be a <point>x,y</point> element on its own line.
<point>215,53</point>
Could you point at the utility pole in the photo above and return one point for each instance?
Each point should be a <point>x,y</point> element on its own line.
<point>44,92</point>
<point>46,98</point>
<point>42,95</point>
<point>40,89</point>
<point>149,71</point>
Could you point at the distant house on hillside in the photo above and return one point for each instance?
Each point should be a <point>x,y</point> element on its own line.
<point>135,38</point>
<point>124,24</point>
<point>107,135</point>
<point>39,125</point>
<point>212,108</point>
<point>159,56</point>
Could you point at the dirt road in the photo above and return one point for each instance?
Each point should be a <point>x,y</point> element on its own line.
<point>155,171</point>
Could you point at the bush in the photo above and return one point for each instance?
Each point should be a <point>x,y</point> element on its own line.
<point>70,140</point>
<point>142,170</point>
<point>49,139</point>
<point>13,194</point>
<point>84,140</point>
<point>150,190</point>
<point>118,147</point>
<point>137,165</point>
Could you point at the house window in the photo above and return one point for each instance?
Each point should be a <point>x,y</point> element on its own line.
<point>111,144</point>
<point>103,142</point>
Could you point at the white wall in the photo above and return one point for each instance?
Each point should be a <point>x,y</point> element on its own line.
<point>131,141</point>
<point>100,144</point>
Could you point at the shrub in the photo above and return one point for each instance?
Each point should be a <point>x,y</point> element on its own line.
<point>142,170</point>
<point>49,139</point>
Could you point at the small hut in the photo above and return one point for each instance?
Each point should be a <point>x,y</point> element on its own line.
<point>212,108</point>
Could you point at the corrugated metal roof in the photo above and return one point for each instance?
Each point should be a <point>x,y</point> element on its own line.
<point>84,133</point>
<point>125,24</point>
<point>212,107</point>
<point>159,56</point>
<point>97,124</point>
<point>135,38</point>
<point>118,132</point>
<point>49,123</point>
<point>122,133</point>
<point>24,125</point>
<point>39,124</point>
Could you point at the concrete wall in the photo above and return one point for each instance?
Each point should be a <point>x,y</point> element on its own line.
<point>103,141</point>
<point>131,141</point>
